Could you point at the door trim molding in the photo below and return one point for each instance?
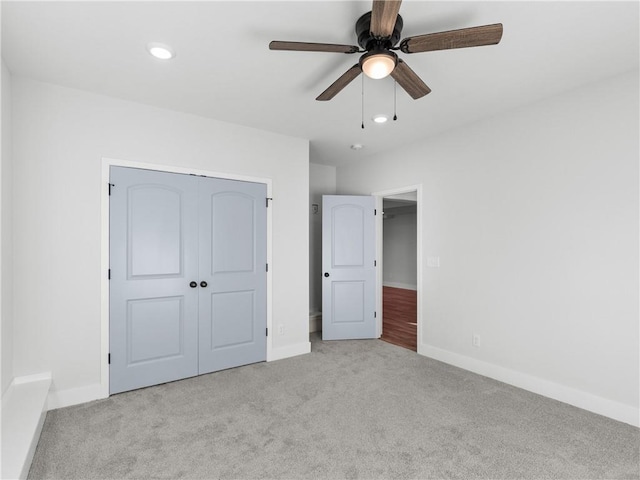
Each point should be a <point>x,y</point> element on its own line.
<point>379,244</point>
<point>104,248</point>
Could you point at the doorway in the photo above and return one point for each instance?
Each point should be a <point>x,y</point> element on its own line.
<point>399,279</point>
<point>348,218</point>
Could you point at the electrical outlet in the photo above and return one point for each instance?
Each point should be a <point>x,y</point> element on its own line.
<point>281,329</point>
<point>475,340</point>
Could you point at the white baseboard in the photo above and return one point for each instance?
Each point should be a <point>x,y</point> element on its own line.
<point>96,391</point>
<point>577,398</point>
<point>289,351</point>
<point>24,407</point>
<point>404,286</point>
<point>75,396</point>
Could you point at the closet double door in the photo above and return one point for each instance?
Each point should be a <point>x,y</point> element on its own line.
<point>187,276</point>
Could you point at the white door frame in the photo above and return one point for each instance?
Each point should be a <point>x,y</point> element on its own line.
<point>379,244</point>
<point>104,249</point>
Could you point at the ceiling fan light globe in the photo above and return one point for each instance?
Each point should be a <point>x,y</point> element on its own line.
<point>378,65</point>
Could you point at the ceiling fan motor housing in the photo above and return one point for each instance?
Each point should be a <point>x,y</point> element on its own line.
<point>368,42</point>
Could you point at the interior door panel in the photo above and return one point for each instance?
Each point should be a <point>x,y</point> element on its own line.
<point>348,259</point>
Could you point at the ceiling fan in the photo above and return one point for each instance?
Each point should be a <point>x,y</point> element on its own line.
<point>378,34</point>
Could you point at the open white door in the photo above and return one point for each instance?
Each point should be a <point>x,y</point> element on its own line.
<point>348,265</point>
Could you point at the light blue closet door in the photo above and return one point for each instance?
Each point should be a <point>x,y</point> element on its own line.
<point>233,258</point>
<point>153,328</point>
<point>348,264</point>
<point>188,281</point>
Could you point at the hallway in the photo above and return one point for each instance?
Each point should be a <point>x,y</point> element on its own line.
<point>399,325</point>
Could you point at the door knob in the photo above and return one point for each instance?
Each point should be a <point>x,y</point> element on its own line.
<point>326,274</point>
<point>203,284</point>
<point>193,284</point>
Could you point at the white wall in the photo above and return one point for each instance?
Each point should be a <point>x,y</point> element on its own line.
<point>6,238</point>
<point>399,248</point>
<point>322,181</point>
<point>60,137</point>
<point>534,215</point>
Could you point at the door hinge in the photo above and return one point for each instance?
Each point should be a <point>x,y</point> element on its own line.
<point>267,267</point>
<point>109,274</point>
<point>110,186</point>
<point>267,331</point>
<point>375,211</point>
<point>268,198</point>
<point>375,264</point>
<point>109,358</point>
<point>375,314</point>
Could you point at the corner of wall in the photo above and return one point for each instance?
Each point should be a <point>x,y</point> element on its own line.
<point>322,181</point>
<point>6,234</point>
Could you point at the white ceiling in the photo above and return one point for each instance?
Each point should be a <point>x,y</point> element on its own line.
<point>224,69</point>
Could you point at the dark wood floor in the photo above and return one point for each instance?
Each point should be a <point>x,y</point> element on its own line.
<point>399,317</point>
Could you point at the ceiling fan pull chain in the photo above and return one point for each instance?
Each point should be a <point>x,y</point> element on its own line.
<point>395,98</point>
<point>362,113</point>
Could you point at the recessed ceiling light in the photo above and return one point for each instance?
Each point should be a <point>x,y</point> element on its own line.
<point>380,118</point>
<point>357,146</point>
<point>161,51</point>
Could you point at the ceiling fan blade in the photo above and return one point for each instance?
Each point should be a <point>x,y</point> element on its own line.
<point>340,83</point>
<point>383,17</point>
<point>312,47</point>
<point>465,37</point>
<point>408,80</point>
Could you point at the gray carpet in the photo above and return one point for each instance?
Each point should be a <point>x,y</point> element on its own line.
<point>350,409</point>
